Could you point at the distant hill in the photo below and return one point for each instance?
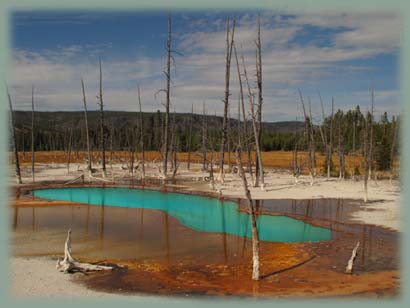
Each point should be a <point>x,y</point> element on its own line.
<point>52,129</point>
<point>62,120</point>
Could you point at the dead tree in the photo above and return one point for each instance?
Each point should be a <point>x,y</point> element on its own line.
<point>167,102</point>
<point>32,135</point>
<point>13,132</point>
<point>393,144</point>
<point>87,135</point>
<point>204,138</point>
<point>322,130</point>
<point>228,140</point>
<point>111,143</point>
<point>229,45</point>
<point>190,137</point>
<point>174,146</point>
<point>23,143</point>
<point>340,150</point>
<point>255,130</point>
<point>365,157</point>
<point>131,152</point>
<point>102,128</point>
<point>295,163</point>
<point>70,141</point>
<point>252,214</point>
<point>245,125</point>
<point>327,142</point>
<point>312,151</point>
<point>260,98</point>
<point>239,131</point>
<point>330,146</point>
<point>307,134</point>
<point>211,169</point>
<point>141,135</point>
<point>354,145</point>
<point>371,137</point>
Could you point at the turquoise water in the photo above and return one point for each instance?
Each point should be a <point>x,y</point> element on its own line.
<point>196,212</point>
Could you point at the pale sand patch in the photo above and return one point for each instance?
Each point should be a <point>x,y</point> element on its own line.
<point>39,277</point>
<point>382,209</point>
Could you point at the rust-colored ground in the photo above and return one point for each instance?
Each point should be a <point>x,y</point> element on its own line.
<point>272,159</point>
<point>288,269</point>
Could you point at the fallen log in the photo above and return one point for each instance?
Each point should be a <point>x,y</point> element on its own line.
<point>349,267</point>
<point>99,179</point>
<point>76,179</point>
<point>70,265</point>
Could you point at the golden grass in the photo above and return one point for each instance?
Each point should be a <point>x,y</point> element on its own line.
<point>272,159</point>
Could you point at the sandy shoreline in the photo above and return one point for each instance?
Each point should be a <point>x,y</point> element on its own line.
<point>44,280</point>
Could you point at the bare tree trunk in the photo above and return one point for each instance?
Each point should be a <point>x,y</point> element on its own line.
<point>102,129</point>
<point>13,131</point>
<point>245,126</point>
<point>174,163</point>
<point>141,135</point>
<point>23,144</point>
<point>211,170</point>
<point>228,140</point>
<point>174,157</point>
<point>204,138</point>
<point>330,150</point>
<point>252,214</point>
<point>322,130</point>
<point>167,103</point>
<point>229,45</point>
<point>325,140</point>
<point>307,137</point>
<point>354,147</point>
<point>340,150</point>
<point>260,98</point>
<point>296,169</point>
<point>371,137</point>
<point>190,138</point>
<point>312,141</point>
<point>111,144</point>
<point>365,158</point>
<point>258,151</point>
<point>393,145</point>
<point>130,153</point>
<point>239,131</point>
<point>255,131</point>
<point>32,136</point>
<point>70,140</point>
<point>86,127</point>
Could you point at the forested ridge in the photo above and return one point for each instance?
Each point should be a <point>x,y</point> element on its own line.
<point>53,131</point>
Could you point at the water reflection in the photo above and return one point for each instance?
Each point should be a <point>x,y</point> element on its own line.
<point>149,233</point>
<point>197,213</point>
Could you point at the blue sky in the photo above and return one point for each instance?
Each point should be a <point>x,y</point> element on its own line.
<point>339,54</point>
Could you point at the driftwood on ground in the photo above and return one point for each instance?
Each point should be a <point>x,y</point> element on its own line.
<point>349,267</point>
<point>70,265</point>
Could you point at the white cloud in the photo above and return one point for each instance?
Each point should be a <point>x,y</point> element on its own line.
<point>200,72</point>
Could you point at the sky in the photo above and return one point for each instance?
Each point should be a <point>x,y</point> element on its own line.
<point>340,55</point>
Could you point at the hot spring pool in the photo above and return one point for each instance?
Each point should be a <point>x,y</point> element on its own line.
<point>198,213</point>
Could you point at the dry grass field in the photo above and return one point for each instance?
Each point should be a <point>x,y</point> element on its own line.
<point>272,159</point>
